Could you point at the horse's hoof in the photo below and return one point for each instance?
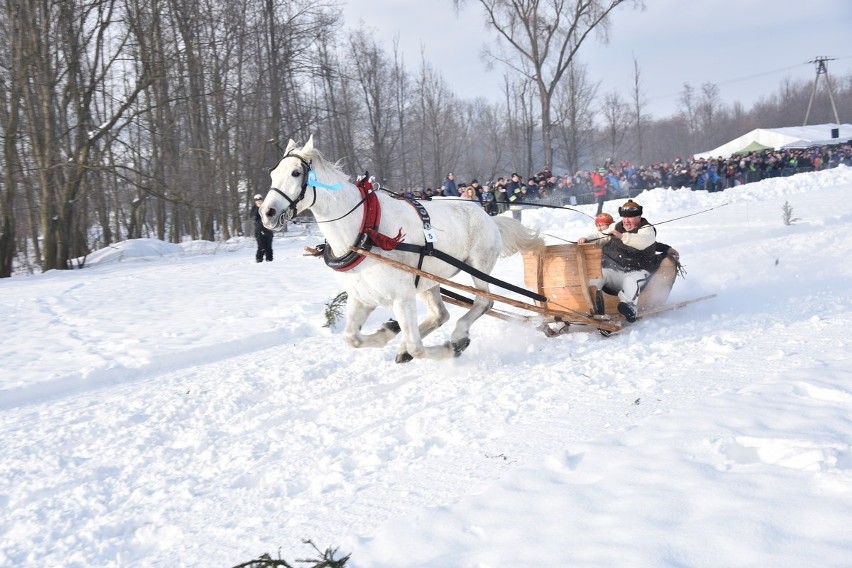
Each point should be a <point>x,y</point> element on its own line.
<point>392,325</point>
<point>549,331</point>
<point>403,357</point>
<point>460,345</point>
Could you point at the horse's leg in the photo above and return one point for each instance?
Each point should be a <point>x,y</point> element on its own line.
<point>460,338</point>
<point>405,311</point>
<point>356,314</point>
<point>436,316</point>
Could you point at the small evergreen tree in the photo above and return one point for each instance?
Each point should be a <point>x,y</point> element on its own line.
<point>787,210</point>
<point>334,309</point>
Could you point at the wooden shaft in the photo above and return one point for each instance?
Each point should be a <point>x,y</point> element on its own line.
<point>565,314</point>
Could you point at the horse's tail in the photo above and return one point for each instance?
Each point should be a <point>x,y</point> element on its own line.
<point>516,237</point>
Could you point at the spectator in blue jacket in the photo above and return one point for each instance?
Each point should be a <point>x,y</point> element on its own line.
<point>449,186</point>
<point>714,181</point>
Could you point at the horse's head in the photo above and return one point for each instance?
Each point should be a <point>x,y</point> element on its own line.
<point>290,192</point>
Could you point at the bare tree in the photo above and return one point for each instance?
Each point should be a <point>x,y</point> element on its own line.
<point>542,38</point>
<point>638,106</point>
<point>575,115</point>
<point>341,106</point>
<point>709,106</point>
<point>688,107</point>
<point>615,113</point>
<point>377,77</point>
<point>11,95</point>
<point>522,119</point>
<point>437,121</point>
<point>155,147</point>
<point>488,146</point>
<point>402,82</point>
<point>74,54</point>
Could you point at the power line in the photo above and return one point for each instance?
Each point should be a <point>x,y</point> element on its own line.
<point>737,80</point>
<point>753,76</point>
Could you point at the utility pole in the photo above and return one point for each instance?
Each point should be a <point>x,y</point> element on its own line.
<point>821,69</point>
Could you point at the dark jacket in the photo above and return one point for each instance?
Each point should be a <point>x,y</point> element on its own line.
<point>450,188</point>
<point>514,191</point>
<point>619,256</point>
<point>259,229</point>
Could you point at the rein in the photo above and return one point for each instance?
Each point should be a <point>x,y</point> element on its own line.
<point>693,214</point>
<point>655,224</point>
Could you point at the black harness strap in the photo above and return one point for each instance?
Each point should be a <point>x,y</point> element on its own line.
<point>429,250</point>
<point>422,250</point>
<point>427,226</point>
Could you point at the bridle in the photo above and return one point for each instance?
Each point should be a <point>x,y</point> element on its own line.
<point>306,174</point>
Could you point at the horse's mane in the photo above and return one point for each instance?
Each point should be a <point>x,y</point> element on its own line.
<point>327,171</point>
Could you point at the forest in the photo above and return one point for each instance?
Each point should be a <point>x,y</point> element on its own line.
<point>124,119</point>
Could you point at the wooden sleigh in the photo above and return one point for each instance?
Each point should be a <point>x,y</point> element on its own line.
<point>561,274</point>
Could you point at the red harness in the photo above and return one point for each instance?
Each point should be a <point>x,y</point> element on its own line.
<point>369,234</point>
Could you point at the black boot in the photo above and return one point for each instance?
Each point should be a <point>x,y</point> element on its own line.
<point>628,311</point>
<point>599,302</point>
<point>598,307</point>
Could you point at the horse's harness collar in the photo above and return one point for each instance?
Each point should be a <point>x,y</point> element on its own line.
<point>368,235</point>
<point>371,218</point>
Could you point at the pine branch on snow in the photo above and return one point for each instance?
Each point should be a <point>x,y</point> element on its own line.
<point>788,214</point>
<point>334,309</point>
<point>326,560</point>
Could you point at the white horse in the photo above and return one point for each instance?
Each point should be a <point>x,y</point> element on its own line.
<point>304,180</point>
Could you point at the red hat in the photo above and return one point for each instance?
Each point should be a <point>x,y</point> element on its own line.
<point>604,218</point>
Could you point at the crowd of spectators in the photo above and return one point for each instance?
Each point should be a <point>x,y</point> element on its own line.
<point>624,180</point>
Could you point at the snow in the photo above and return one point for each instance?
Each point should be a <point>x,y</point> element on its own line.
<point>184,406</point>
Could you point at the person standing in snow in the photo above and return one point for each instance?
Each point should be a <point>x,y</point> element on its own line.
<point>262,235</point>
<point>501,197</point>
<point>628,256</point>
<point>449,187</point>
<point>487,199</point>
<point>514,189</point>
<point>599,187</point>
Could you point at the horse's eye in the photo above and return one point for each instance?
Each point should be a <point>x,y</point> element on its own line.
<point>296,173</point>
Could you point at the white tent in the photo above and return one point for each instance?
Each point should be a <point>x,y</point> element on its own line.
<point>793,136</point>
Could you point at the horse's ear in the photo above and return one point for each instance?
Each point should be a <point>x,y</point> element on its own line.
<point>290,145</point>
<point>308,148</point>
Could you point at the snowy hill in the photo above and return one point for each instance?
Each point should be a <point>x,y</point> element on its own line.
<point>185,406</point>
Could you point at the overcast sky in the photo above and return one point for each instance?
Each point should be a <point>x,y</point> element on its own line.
<point>746,47</point>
